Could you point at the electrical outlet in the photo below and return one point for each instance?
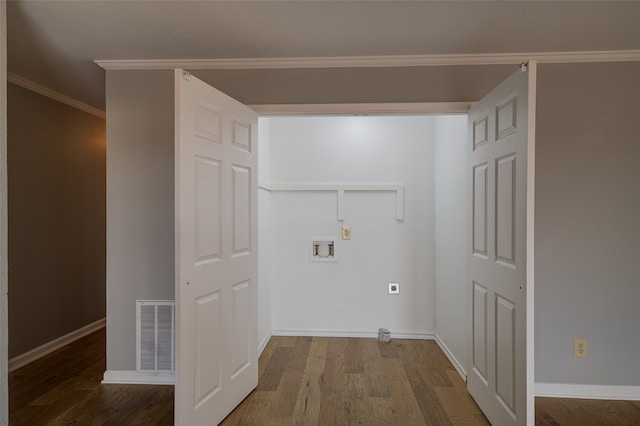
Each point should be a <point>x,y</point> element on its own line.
<point>346,232</point>
<point>394,288</point>
<point>580,348</point>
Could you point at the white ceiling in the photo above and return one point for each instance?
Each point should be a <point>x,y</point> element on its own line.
<point>54,43</point>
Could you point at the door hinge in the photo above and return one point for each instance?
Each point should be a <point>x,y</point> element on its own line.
<point>186,75</point>
<point>524,66</point>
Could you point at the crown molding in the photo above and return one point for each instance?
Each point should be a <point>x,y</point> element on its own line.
<point>410,108</point>
<point>372,61</point>
<point>52,94</point>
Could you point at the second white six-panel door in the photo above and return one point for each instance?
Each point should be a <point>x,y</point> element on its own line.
<point>216,258</point>
<point>498,137</point>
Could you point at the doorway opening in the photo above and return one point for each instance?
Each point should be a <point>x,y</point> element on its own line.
<point>397,183</point>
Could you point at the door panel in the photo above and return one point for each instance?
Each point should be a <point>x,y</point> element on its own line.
<point>505,351</point>
<point>505,209</point>
<point>498,142</point>
<point>242,135</point>
<point>480,324</point>
<point>241,314</point>
<point>208,346</point>
<point>208,204</point>
<point>480,210</point>
<point>241,209</point>
<point>216,259</point>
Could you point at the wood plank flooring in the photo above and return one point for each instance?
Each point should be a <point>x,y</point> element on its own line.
<point>339,381</point>
<point>64,388</point>
<point>303,381</point>
<point>581,412</point>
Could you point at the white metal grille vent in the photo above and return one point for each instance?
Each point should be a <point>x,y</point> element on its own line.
<point>155,341</point>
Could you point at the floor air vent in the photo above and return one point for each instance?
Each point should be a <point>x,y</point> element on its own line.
<point>155,336</point>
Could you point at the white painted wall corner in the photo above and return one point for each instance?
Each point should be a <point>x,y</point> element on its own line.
<point>452,359</point>
<point>264,344</point>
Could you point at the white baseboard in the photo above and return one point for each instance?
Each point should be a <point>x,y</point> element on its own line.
<point>344,333</point>
<point>263,344</point>
<point>454,361</point>
<point>128,377</point>
<point>564,390</point>
<point>36,353</point>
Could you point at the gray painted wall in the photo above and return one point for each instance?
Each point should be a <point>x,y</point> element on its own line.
<point>355,85</point>
<point>56,175</point>
<point>587,276</point>
<point>140,202</point>
<point>587,210</point>
<point>588,223</point>
<point>140,206</point>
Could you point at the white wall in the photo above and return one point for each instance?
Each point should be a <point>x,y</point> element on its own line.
<point>588,223</point>
<point>452,218</point>
<point>264,234</point>
<point>350,296</point>
<point>4,330</point>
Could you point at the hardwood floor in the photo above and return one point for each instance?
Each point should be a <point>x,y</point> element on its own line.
<point>338,381</point>
<point>303,381</point>
<point>64,388</point>
<point>582,412</point>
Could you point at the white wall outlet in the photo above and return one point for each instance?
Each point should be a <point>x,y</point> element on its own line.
<point>580,348</point>
<point>394,288</point>
<point>346,232</point>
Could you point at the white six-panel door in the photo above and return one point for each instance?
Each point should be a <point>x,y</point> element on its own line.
<point>498,142</point>
<point>216,252</point>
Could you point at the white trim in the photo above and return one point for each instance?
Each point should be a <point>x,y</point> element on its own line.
<point>371,61</point>
<point>530,221</point>
<point>403,108</point>
<point>264,344</point>
<point>565,390</point>
<point>340,188</point>
<point>452,359</point>
<point>336,186</point>
<point>263,184</point>
<point>340,206</point>
<point>36,353</point>
<point>130,377</point>
<point>52,94</point>
<point>347,333</point>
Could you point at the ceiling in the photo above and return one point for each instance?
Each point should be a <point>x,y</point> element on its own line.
<point>54,43</point>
